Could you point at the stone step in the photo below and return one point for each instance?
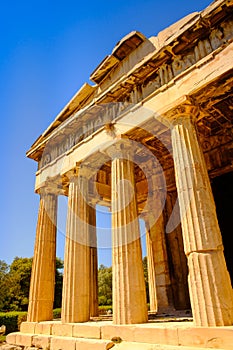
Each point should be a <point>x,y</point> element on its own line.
<point>65,343</point>
<point>70,343</point>
<point>177,335</point>
<point>49,342</point>
<point>173,334</point>
<point>145,346</point>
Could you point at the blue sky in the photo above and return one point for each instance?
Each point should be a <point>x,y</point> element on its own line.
<point>48,50</point>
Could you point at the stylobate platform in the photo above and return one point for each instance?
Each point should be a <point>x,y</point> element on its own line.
<point>53,335</point>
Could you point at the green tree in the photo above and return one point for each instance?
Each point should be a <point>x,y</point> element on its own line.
<point>105,285</point>
<point>4,285</point>
<point>15,284</point>
<point>58,283</point>
<point>20,275</point>
<point>145,269</point>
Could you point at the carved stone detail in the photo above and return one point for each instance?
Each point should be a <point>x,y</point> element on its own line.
<point>83,122</point>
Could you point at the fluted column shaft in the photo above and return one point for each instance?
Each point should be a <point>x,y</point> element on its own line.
<point>209,281</point>
<point>158,269</point>
<point>177,257</point>
<point>76,281</point>
<point>129,292</point>
<point>151,273</point>
<point>94,310</point>
<point>41,296</point>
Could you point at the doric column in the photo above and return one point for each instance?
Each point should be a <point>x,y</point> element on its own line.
<point>151,272</point>
<point>76,281</point>
<point>209,281</point>
<point>94,310</point>
<point>158,268</point>
<point>129,292</point>
<point>158,261</point>
<point>41,296</point>
<point>177,257</point>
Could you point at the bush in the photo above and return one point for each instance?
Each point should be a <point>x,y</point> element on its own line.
<point>22,318</point>
<point>12,320</point>
<point>57,313</point>
<point>103,309</point>
<point>2,339</point>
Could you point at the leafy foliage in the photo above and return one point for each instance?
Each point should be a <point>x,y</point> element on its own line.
<point>105,285</point>
<point>145,269</point>
<point>20,274</point>
<point>103,309</point>
<point>4,284</point>
<point>57,313</point>
<point>15,283</point>
<point>22,317</point>
<point>58,284</point>
<point>12,320</point>
<point>2,339</point>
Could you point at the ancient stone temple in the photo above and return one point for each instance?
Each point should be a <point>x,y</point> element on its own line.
<point>151,139</point>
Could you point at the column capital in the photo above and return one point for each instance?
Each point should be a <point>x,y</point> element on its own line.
<point>77,178</point>
<point>84,170</point>
<point>72,174</point>
<point>183,113</point>
<point>121,148</point>
<point>184,108</point>
<point>51,187</point>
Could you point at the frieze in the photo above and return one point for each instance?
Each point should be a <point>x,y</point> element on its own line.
<point>179,64</point>
<point>83,124</point>
<point>80,127</point>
